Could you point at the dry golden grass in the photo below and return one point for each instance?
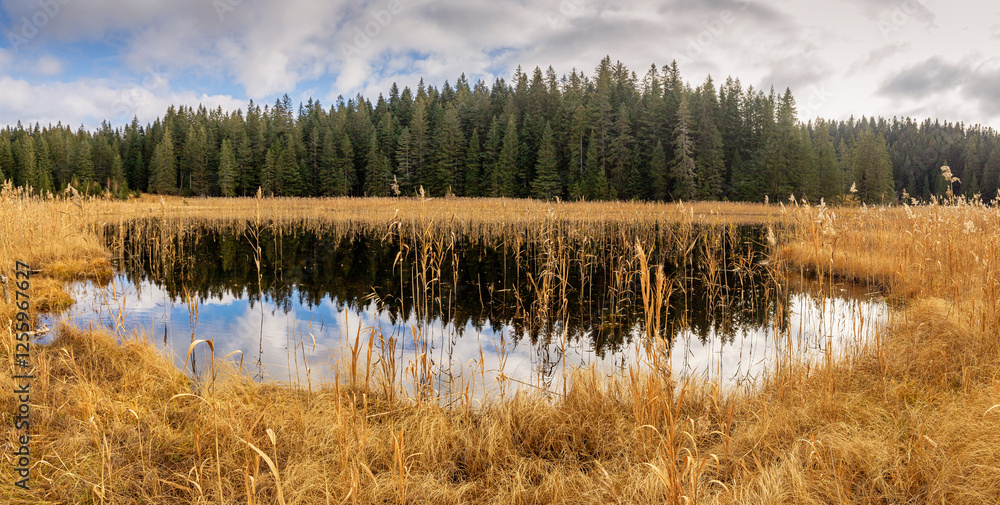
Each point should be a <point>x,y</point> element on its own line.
<point>909,418</point>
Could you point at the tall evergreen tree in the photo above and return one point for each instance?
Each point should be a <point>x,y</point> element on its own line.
<point>659,175</point>
<point>506,167</point>
<point>830,176</point>
<point>405,162</point>
<point>227,169</point>
<point>448,156</point>
<point>6,158</point>
<point>195,159</point>
<point>682,169</point>
<point>595,181</point>
<point>872,168</point>
<point>83,167</point>
<point>162,167</point>
<point>42,180</point>
<point>377,172</point>
<point>546,185</point>
<point>473,166</point>
<point>269,176</point>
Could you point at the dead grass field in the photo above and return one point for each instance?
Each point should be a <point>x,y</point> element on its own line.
<point>914,417</point>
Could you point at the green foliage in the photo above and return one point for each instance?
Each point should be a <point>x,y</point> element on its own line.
<point>546,185</point>
<point>602,136</point>
<point>682,169</point>
<point>227,169</point>
<point>162,168</point>
<point>872,168</point>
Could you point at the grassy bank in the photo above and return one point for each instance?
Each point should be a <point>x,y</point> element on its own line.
<point>912,417</point>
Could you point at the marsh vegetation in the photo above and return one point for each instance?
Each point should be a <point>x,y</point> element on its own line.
<point>907,412</point>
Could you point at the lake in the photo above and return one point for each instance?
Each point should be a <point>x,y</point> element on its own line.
<point>287,303</point>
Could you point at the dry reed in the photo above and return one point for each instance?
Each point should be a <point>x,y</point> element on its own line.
<point>910,417</point>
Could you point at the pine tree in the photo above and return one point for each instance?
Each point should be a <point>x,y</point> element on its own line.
<point>546,185</point>
<point>490,183</point>
<point>682,169</point>
<point>620,155</point>
<point>43,175</point>
<point>27,162</point>
<point>246,175</point>
<point>991,175</point>
<point>6,158</point>
<point>595,182</point>
<point>473,166</point>
<point>707,145</point>
<point>659,175</point>
<point>347,167</point>
<point>162,167</point>
<point>377,172</point>
<point>507,162</point>
<point>405,162</point>
<point>419,143</point>
<point>195,159</point>
<point>288,175</point>
<point>268,177</point>
<point>872,168</point>
<point>83,167</point>
<point>227,169</point>
<point>829,175</point>
<point>448,155</point>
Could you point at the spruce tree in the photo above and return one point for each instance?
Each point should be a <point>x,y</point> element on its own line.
<point>872,168</point>
<point>448,155</point>
<point>43,175</point>
<point>620,154</point>
<point>682,169</point>
<point>117,183</point>
<point>507,163</point>
<point>829,175</point>
<point>227,169</point>
<point>83,166</point>
<point>473,166</point>
<point>546,185</point>
<point>195,159</point>
<point>27,162</point>
<point>377,172</point>
<point>659,175</point>
<point>490,184</point>
<point>707,144</point>
<point>595,182</point>
<point>419,143</point>
<point>162,167</point>
<point>268,182</point>
<point>288,176</point>
<point>405,162</point>
<point>991,175</point>
<point>6,158</point>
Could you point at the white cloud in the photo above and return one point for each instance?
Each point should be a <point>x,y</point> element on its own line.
<point>271,48</point>
<point>90,101</point>
<point>49,65</point>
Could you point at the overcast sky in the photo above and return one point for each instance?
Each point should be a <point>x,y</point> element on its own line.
<point>83,61</point>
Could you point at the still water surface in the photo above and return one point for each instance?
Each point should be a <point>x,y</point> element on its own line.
<point>476,315</point>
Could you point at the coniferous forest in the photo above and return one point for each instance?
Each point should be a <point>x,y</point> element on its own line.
<point>612,135</point>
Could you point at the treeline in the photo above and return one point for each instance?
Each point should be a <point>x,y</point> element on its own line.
<point>612,135</point>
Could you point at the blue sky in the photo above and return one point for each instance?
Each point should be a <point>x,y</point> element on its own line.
<point>84,61</point>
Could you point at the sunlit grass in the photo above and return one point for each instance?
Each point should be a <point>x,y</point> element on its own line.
<point>911,416</point>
